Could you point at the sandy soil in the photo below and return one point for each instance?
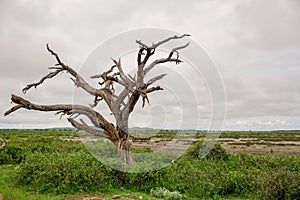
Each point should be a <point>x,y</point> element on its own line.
<point>253,146</point>
<point>256,146</point>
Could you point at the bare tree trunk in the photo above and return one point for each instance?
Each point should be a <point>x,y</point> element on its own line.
<point>124,145</point>
<point>3,144</point>
<point>124,150</point>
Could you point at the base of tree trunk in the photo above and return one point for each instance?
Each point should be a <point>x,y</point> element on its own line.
<point>124,152</point>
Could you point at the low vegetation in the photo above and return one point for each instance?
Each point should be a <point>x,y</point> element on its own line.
<point>288,135</point>
<point>40,165</point>
<point>160,192</point>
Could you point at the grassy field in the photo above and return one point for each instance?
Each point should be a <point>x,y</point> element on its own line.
<point>53,164</point>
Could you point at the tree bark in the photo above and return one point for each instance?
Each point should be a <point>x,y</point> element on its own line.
<point>124,150</point>
<point>3,144</point>
<point>123,142</point>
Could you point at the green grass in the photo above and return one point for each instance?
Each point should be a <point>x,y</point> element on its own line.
<point>9,190</point>
<point>39,165</point>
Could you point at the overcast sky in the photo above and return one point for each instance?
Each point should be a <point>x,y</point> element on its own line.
<point>254,44</point>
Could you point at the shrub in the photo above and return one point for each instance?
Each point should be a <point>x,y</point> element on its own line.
<point>59,173</point>
<point>242,175</point>
<point>12,154</point>
<point>216,153</point>
<point>141,150</point>
<point>52,165</point>
<point>17,148</point>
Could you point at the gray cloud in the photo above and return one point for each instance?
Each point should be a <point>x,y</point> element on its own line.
<point>255,45</point>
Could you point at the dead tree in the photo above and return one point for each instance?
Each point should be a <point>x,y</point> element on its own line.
<point>120,105</point>
<point>3,145</point>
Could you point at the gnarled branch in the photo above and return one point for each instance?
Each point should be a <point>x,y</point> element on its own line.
<point>78,80</point>
<point>48,76</point>
<point>84,127</point>
<point>69,109</point>
<point>154,79</point>
<point>167,59</point>
<point>155,45</point>
<point>140,86</point>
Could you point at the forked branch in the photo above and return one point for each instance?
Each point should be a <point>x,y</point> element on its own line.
<point>61,67</point>
<point>155,45</point>
<point>84,127</point>
<point>48,76</point>
<point>141,87</point>
<point>170,58</point>
<point>68,109</point>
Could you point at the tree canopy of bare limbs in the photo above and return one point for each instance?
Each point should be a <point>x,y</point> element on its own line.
<point>121,104</point>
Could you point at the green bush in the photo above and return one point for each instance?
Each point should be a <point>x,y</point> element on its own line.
<point>49,164</point>
<point>242,175</point>
<point>12,154</point>
<point>216,153</point>
<point>280,185</point>
<point>59,173</point>
<point>140,150</point>
<point>18,147</point>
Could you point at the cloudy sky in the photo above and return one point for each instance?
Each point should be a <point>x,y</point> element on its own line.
<point>254,45</point>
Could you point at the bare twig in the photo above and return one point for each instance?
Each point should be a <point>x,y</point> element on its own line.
<point>154,79</point>
<point>13,109</point>
<point>48,76</point>
<point>155,45</point>
<point>167,59</point>
<point>152,89</point>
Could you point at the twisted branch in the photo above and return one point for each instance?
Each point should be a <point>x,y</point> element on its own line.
<point>84,127</point>
<point>68,109</point>
<point>167,59</point>
<point>77,79</point>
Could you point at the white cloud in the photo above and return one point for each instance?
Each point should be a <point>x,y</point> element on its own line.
<point>255,45</point>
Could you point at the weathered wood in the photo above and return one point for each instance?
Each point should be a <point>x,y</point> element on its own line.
<point>121,105</point>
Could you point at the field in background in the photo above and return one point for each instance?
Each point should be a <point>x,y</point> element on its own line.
<point>273,143</point>
<point>54,164</point>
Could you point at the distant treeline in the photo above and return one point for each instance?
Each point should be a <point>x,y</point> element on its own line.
<point>39,129</point>
<point>150,130</point>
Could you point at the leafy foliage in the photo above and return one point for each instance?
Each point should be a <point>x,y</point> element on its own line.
<point>216,153</point>
<point>55,172</point>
